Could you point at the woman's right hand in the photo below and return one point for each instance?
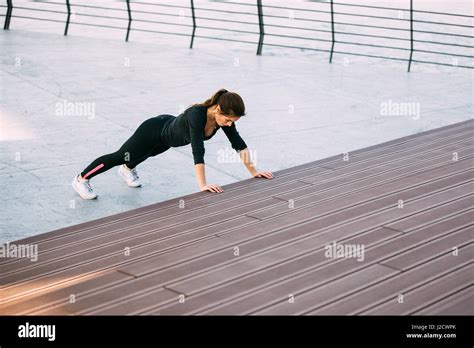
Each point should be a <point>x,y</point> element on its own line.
<point>212,188</point>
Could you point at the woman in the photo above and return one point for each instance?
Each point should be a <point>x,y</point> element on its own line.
<point>198,123</point>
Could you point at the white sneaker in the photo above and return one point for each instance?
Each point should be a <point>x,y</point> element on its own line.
<point>83,188</point>
<point>129,175</point>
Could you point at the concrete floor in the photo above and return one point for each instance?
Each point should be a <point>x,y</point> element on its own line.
<point>299,109</point>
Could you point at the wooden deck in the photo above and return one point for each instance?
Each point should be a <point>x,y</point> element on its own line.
<point>261,246</point>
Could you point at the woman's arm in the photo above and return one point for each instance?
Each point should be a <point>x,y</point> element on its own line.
<point>201,179</point>
<point>238,144</point>
<point>196,132</point>
<point>245,157</point>
<point>200,174</point>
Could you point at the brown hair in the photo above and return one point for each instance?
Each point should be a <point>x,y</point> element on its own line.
<point>231,103</point>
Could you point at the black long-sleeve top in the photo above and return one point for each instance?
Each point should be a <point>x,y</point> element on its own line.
<point>189,128</point>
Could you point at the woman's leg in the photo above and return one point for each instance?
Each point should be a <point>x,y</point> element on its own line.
<point>133,164</point>
<point>159,147</point>
<point>132,152</point>
<point>156,150</point>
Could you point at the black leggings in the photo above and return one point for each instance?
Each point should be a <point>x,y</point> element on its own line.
<point>144,142</point>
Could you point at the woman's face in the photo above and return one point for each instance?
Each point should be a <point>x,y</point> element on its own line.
<point>225,120</point>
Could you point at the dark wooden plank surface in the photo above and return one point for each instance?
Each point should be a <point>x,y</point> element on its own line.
<point>452,305</point>
<point>408,202</point>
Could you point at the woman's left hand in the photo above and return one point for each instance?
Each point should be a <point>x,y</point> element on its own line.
<point>267,175</point>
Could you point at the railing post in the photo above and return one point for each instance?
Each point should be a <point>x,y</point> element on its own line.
<point>68,5</point>
<point>8,15</point>
<point>129,20</point>
<point>411,35</point>
<point>261,27</point>
<point>194,24</point>
<point>332,30</point>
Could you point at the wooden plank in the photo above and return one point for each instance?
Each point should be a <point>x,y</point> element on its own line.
<point>47,286</point>
<point>162,295</point>
<point>340,287</point>
<point>124,220</point>
<point>249,303</point>
<point>235,270</point>
<point>273,262</point>
<point>322,195</point>
<point>400,284</point>
<point>194,302</point>
<point>367,189</point>
<point>119,259</point>
<point>437,144</point>
<point>365,178</point>
<point>456,304</point>
<point>250,299</point>
<point>427,294</point>
<point>173,236</point>
<point>441,143</point>
<point>163,223</point>
<point>240,236</point>
<point>185,269</point>
<point>395,144</point>
<point>61,295</point>
<point>411,162</point>
<point>427,217</point>
<point>391,146</point>
<point>457,142</point>
<point>430,250</point>
<point>128,292</point>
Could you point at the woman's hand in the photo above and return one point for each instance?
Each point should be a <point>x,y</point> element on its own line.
<point>212,188</point>
<point>267,175</point>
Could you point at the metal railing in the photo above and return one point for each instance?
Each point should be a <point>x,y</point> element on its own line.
<point>330,18</point>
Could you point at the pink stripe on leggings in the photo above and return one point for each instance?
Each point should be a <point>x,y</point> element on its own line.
<point>93,170</point>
